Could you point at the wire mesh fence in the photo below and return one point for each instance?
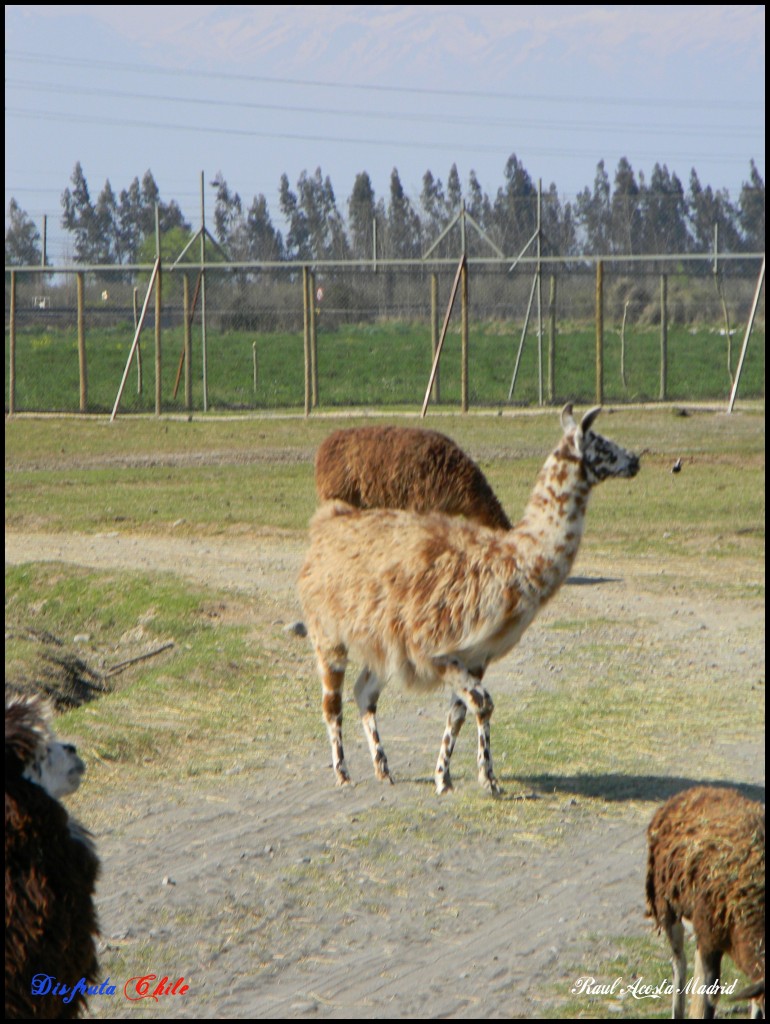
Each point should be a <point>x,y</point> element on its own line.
<point>274,336</point>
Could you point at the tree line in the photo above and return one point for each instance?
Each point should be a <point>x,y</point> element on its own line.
<point>629,215</point>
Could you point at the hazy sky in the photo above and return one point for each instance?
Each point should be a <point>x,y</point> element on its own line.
<point>254,92</point>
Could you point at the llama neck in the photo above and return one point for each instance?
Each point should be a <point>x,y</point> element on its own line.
<point>548,536</point>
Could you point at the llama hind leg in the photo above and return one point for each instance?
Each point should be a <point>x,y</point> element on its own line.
<point>675,933</point>
<point>479,699</point>
<point>332,680</point>
<point>708,967</point>
<point>367,692</point>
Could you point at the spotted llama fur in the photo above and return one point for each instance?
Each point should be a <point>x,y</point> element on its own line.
<point>433,599</point>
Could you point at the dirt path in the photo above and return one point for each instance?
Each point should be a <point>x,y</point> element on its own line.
<point>281,901</point>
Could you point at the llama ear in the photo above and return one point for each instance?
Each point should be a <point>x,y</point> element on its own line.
<point>567,419</point>
<point>589,417</point>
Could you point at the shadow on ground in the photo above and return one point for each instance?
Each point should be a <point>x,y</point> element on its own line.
<point>628,787</point>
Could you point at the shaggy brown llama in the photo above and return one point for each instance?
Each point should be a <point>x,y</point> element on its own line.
<point>706,869</point>
<point>405,467</point>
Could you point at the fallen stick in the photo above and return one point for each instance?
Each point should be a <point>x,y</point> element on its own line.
<point>140,657</point>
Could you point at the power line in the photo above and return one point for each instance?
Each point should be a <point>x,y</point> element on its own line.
<point>452,145</point>
<point>731,130</point>
<point>667,102</point>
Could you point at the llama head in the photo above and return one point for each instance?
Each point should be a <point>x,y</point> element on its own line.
<point>32,748</point>
<point>57,768</point>
<point>601,457</point>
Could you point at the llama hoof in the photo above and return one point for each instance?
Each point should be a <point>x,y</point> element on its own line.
<point>443,784</point>
<point>496,789</point>
<point>382,772</point>
<point>490,784</point>
<point>343,779</point>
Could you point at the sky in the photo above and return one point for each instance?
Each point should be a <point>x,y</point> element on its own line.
<point>254,92</point>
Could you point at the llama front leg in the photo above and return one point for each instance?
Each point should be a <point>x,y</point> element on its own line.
<point>367,692</point>
<point>675,933</point>
<point>332,679</point>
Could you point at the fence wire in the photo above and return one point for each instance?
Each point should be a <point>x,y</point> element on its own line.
<point>237,336</point>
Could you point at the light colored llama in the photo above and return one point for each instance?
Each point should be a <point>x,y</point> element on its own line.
<point>434,599</point>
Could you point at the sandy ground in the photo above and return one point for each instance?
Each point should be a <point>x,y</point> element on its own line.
<point>281,903</point>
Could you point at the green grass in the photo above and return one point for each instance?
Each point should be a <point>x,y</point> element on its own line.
<point>215,682</point>
<point>711,514</point>
<point>374,365</point>
<point>569,741</point>
<point>227,477</point>
<point>206,498</point>
<point>598,723</point>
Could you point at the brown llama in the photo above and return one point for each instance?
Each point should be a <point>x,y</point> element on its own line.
<point>706,869</point>
<point>405,467</point>
<point>434,599</point>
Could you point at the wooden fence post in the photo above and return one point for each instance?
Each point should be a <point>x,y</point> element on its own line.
<point>306,337</point>
<point>663,336</point>
<point>158,361</point>
<point>436,392</point>
<point>599,332</point>
<point>187,344</point>
<point>12,349</point>
<point>465,332</point>
<point>82,364</point>
<point>313,341</point>
<point>552,340</point>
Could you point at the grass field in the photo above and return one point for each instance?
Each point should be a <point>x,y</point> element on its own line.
<point>377,365</point>
<point>227,478</point>
<point>209,710</point>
